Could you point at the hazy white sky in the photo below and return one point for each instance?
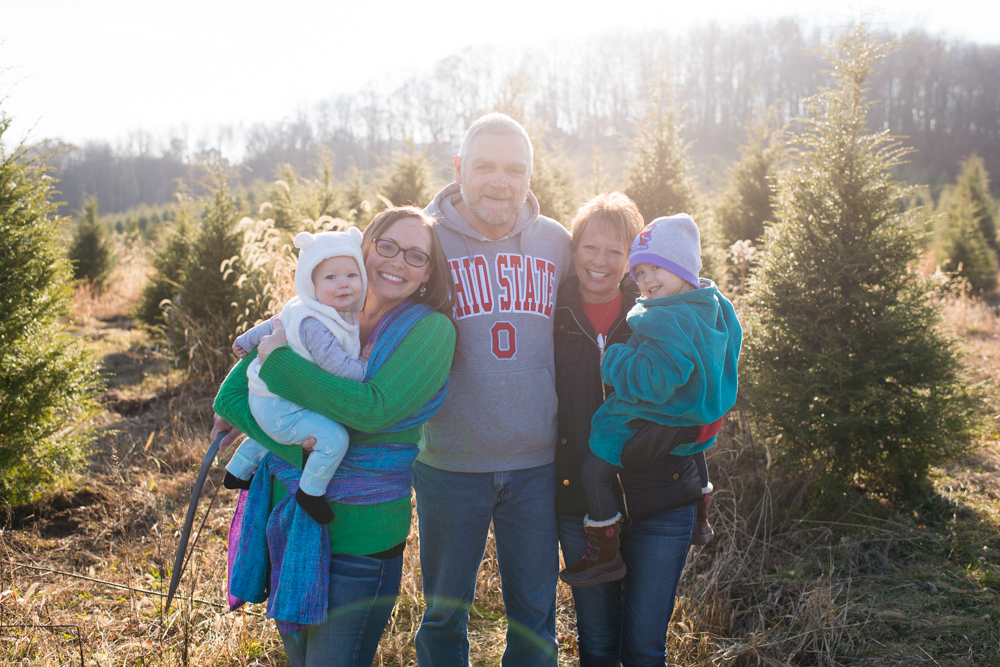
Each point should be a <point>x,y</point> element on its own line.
<point>100,69</point>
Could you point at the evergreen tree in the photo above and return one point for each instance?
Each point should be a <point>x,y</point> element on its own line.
<point>327,195</point>
<point>197,272</point>
<point>48,382</point>
<point>90,251</point>
<point>209,291</point>
<point>657,173</point>
<point>599,180</point>
<point>962,248</point>
<point>284,199</point>
<point>407,180</point>
<point>974,184</point>
<point>169,268</point>
<point>844,358</point>
<point>749,200</point>
<point>553,184</point>
<point>357,199</point>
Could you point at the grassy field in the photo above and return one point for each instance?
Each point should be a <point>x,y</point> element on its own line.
<point>873,582</point>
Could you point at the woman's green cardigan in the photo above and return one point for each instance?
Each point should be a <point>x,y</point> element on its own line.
<point>417,369</point>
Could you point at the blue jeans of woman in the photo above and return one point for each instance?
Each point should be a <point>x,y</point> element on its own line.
<point>625,622</point>
<point>363,591</point>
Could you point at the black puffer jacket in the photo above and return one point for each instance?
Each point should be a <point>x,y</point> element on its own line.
<point>672,483</point>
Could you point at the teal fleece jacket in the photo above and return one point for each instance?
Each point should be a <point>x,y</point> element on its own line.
<point>679,369</point>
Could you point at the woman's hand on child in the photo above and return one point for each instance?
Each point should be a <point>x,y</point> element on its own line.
<point>272,342</point>
<point>238,350</point>
<point>366,351</point>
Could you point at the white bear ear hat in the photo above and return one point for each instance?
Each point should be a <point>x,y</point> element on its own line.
<point>314,248</point>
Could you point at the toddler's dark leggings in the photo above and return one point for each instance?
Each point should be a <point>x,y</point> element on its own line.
<point>699,460</point>
<point>598,484</point>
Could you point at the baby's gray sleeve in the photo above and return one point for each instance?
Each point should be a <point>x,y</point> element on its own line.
<point>251,339</point>
<point>328,353</point>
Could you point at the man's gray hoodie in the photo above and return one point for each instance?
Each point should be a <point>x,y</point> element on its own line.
<point>500,413</point>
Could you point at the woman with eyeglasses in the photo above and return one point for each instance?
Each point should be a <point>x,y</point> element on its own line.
<point>332,609</point>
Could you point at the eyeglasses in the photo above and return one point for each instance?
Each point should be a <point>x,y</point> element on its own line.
<point>414,257</point>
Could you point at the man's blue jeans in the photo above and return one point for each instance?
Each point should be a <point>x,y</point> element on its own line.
<point>363,591</point>
<point>455,510</point>
<point>627,620</point>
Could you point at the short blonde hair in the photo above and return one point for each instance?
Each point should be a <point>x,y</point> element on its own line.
<point>611,209</point>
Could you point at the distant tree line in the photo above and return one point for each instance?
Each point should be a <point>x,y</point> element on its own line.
<point>942,96</point>
<point>120,178</point>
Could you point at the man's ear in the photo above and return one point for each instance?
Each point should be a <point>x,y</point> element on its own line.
<point>458,170</point>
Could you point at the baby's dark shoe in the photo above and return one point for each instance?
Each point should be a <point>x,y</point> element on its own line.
<point>315,506</point>
<point>703,532</point>
<point>231,481</point>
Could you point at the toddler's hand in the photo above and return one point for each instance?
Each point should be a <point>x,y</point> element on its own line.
<point>239,351</point>
<point>366,351</point>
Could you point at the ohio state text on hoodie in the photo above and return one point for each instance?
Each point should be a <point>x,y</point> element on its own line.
<point>500,413</point>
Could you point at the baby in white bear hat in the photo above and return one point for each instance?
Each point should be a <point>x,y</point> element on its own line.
<point>322,326</point>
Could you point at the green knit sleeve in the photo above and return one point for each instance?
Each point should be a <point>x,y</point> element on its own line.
<point>409,378</point>
<point>232,403</point>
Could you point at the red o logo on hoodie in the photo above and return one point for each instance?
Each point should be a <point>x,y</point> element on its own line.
<point>504,339</point>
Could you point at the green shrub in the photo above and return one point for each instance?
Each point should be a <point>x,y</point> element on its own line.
<point>749,200</point>
<point>358,199</point>
<point>90,252</point>
<point>974,184</point>
<point>843,358</point>
<point>169,268</point>
<point>407,180</point>
<point>962,248</point>
<point>48,381</point>
<point>207,308</point>
<point>296,203</point>
<point>284,199</point>
<point>553,184</point>
<point>193,294</point>
<point>966,227</point>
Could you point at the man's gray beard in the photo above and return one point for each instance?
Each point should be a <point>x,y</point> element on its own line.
<point>492,216</point>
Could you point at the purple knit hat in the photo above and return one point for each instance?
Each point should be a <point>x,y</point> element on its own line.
<point>672,243</point>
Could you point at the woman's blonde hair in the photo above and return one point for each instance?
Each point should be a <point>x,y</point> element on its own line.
<point>613,210</point>
<point>439,290</point>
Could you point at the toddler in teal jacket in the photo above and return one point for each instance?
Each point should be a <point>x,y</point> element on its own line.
<point>678,369</point>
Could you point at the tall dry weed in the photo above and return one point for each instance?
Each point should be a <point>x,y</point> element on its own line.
<point>965,314</point>
<point>269,257</point>
<point>750,598</point>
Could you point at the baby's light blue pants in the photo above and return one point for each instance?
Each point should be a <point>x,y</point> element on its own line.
<point>290,424</point>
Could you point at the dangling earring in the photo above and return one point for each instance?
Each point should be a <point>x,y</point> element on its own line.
<point>423,291</point>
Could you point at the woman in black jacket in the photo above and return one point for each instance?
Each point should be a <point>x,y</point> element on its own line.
<point>623,620</point>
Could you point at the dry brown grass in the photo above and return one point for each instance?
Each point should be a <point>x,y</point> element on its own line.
<point>125,284</point>
<point>875,583</point>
